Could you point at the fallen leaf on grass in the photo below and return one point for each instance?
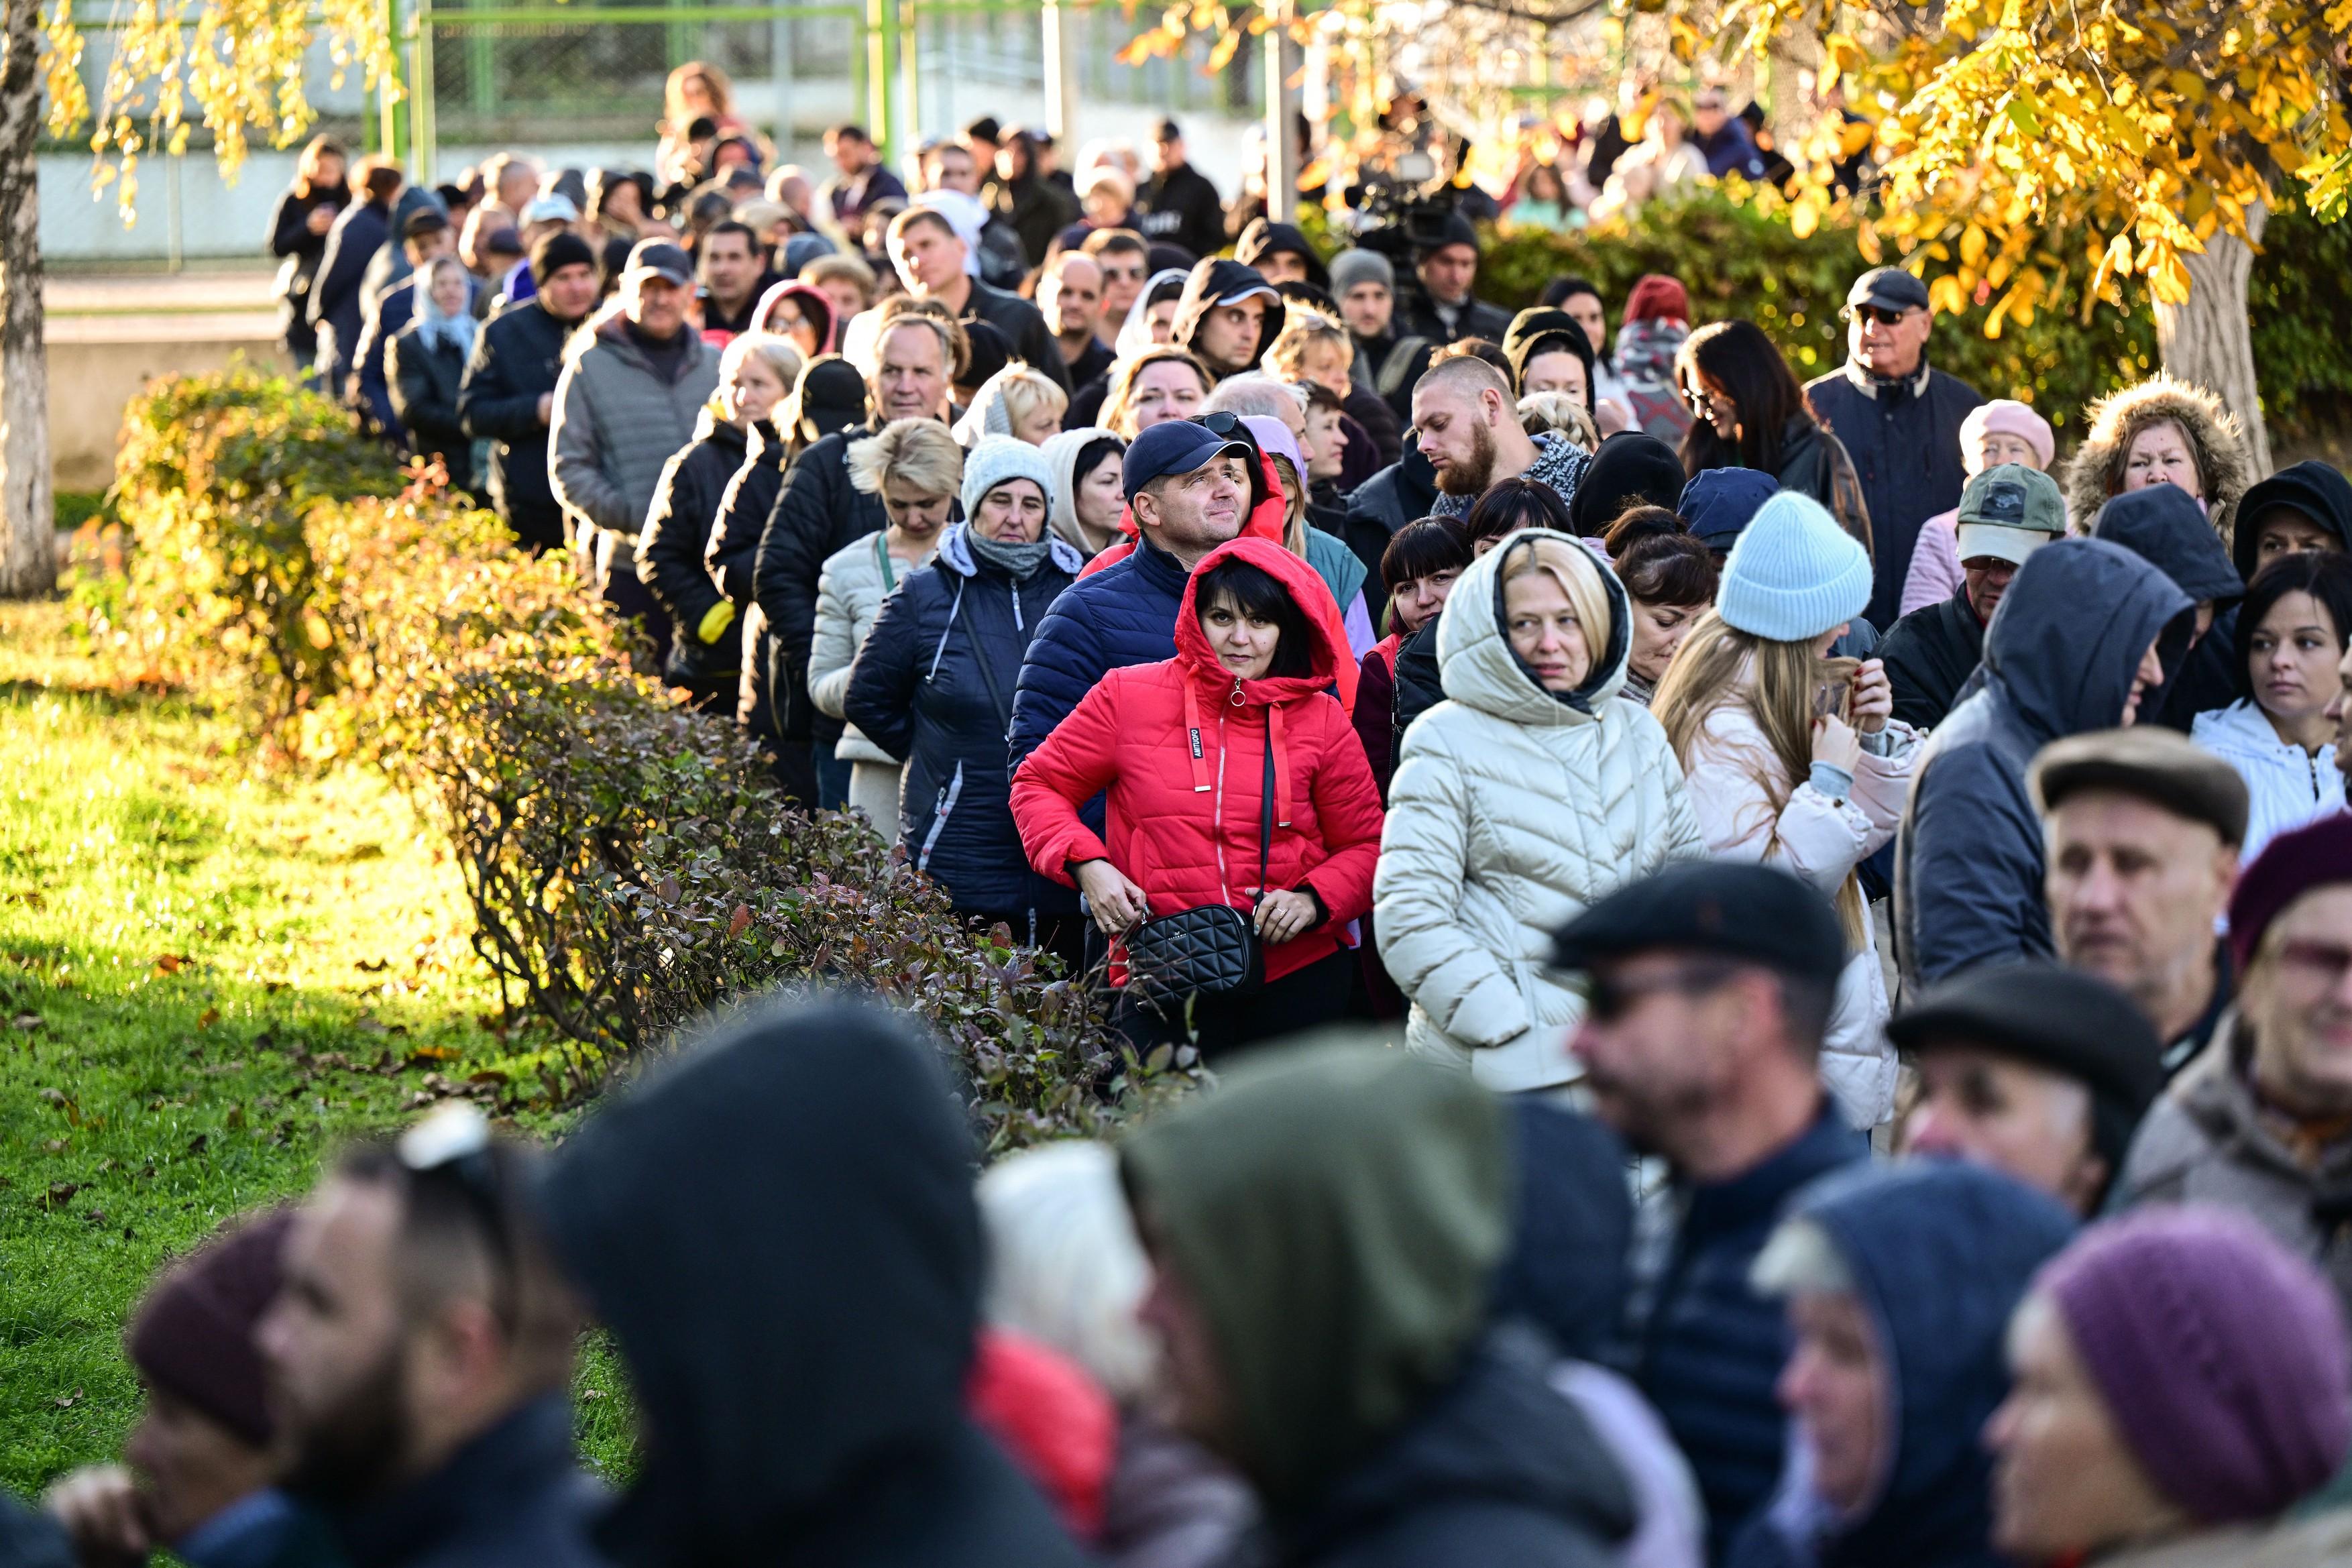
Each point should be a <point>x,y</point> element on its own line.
<point>27,1022</point>
<point>428,1056</point>
<point>197,1144</point>
<point>169,962</point>
<point>207,1018</point>
<point>68,1401</point>
<point>60,1194</point>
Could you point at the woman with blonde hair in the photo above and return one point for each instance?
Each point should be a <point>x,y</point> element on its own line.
<point>917,469</point>
<point>756,374</point>
<point>1529,794</point>
<point>1159,384</point>
<point>1563,414</point>
<point>695,91</point>
<point>1020,401</point>
<point>1793,758</point>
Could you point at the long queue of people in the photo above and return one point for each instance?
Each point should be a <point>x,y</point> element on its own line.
<point>1866,907</point>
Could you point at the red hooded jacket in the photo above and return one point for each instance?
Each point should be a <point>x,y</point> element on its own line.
<point>1180,747</point>
<point>1265,520</point>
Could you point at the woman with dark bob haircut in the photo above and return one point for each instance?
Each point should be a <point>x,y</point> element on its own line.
<point>1183,750</point>
<point>2292,626</point>
<point>1750,413</point>
<point>1419,569</point>
<point>1671,577</point>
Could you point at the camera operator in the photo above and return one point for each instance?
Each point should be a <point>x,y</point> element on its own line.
<point>1447,262</point>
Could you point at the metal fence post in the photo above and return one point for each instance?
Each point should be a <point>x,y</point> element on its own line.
<point>1061,52</point>
<point>1281,144</point>
<point>881,70</point>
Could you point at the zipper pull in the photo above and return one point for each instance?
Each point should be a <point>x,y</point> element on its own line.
<point>1236,699</point>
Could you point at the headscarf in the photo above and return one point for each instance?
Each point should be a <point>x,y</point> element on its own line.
<point>432,324</point>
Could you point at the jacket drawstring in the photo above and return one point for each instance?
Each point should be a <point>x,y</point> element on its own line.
<point>1192,738</point>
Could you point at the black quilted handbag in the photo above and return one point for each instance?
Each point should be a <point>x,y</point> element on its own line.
<point>1213,948</point>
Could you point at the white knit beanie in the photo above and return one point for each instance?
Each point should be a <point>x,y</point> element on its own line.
<point>1792,576</point>
<point>996,458</point>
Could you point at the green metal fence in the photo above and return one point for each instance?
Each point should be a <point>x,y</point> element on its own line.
<point>488,74</point>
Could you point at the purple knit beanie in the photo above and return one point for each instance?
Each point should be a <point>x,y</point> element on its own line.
<point>2222,1356</point>
<point>193,1334</point>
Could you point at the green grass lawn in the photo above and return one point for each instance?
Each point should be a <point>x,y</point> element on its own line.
<point>210,973</point>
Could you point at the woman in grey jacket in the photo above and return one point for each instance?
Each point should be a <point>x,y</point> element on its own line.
<point>916,467</point>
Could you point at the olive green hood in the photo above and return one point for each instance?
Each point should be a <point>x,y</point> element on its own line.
<point>1337,1211</point>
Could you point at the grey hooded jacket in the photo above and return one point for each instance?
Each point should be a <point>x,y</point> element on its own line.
<point>616,423</point>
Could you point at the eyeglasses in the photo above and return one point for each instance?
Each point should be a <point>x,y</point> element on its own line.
<point>453,1147</point>
<point>1881,314</point>
<point>1607,999</point>
<point>1222,424</point>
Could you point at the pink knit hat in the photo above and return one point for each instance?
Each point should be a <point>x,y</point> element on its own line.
<point>2006,417</point>
<point>2220,1355</point>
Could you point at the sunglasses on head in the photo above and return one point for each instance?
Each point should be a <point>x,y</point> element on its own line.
<point>1222,424</point>
<point>1881,314</point>
<point>454,1149</point>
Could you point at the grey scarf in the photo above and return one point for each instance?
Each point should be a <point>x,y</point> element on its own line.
<point>1018,562</point>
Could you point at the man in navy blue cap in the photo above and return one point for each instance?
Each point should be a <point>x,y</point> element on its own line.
<point>1707,993</point>
<point>1188,489</point>
<point>1899,419</point>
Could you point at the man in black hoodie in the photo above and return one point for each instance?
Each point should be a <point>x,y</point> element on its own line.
<point>2084,631</point>
<point>779,1228</point>
<point>1323,1230</point>
<point>1451,310</point>
<point>507,397</point>
<point>1177,203</point>
<point>1227,316</point>
<point>2162,526</point>
<point>419,1358</point>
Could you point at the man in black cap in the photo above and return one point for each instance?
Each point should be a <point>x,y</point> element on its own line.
<point>1449,274</point>
<point>507,397</point>
<point>2034,1070</point>
<point>1899,419</point>
<point>1709,989</point>
<point>2143,829</point>
<point>1177,203</point>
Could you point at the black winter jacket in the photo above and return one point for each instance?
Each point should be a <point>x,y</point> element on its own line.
<point>425,380</point>
<point>1929,654</point>
<point>1419,686</point>
<point>359,232</point>
<point>1183,208</point>
<point>730,556</point>
<point>816,513</point>
<point>2058,660</point>
<point>1498,1468</point>
<point>299,249</point>
<point>518,356</point>
<point>1476,318</point>
<point>1904,441</point>
<point>933,686</point>
<point>1024,327</point>
<point>677,534</point>
<point>514,1494</point>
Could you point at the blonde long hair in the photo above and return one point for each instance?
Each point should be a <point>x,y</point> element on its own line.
<point>1716,665</point>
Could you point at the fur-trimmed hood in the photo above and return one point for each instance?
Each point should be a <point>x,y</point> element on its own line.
<point>2095,473</point>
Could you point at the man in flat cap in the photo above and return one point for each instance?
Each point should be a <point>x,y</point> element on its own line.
<point>2261,1121</point>
<point>1707,993</point>
<point>2142,832</point>
<point>2036,1070</point>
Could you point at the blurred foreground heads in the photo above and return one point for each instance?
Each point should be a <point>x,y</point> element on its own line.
<point>419,1358</point>
<point>779,1228</point>
<point>1323,1230</point>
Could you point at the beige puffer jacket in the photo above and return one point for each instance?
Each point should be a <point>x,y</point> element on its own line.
<point>1512,810</point>
<point>850,588</point>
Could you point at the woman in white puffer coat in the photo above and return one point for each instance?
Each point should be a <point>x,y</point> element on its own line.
<point>1794,758</point>
<point>1532,791</point>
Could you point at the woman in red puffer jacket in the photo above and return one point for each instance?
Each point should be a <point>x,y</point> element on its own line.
<point>1181,748</point>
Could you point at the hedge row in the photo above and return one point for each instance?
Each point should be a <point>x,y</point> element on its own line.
<point>631,865</point>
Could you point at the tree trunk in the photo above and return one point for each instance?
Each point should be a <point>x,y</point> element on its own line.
<point>28,550</point>
<point>2210,341</point>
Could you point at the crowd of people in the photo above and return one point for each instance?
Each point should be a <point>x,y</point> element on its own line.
<point>1849,916</point>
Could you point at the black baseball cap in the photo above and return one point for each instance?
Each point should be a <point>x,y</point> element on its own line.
<point>1752,913</point>
<point>1175,447</point>
<point>663,259</point>
<point>1889,289</point>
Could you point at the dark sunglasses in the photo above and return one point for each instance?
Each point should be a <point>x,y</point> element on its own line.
<point>1608,1000</point>
<point>1881,314</point>
<point>1222,424</point>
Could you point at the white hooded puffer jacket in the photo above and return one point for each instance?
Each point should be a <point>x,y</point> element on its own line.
<point>1512,810</point>
<point>1733,778</point>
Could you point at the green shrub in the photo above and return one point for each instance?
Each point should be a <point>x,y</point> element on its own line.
<point>630,863</point>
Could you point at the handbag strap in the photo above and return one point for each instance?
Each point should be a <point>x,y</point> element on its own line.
<point>1265,807</point>
<point>987,675</point>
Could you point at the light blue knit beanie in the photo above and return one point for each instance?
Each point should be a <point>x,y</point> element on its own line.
<point>996,458</point>
<point>1792,576</point>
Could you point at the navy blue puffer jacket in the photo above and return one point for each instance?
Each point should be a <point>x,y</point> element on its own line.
<point>1123,615</point>
<point>933,686</point>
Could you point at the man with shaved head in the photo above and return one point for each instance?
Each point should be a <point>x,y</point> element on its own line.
<point>1070,294</point>
<point>1468,426</point>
